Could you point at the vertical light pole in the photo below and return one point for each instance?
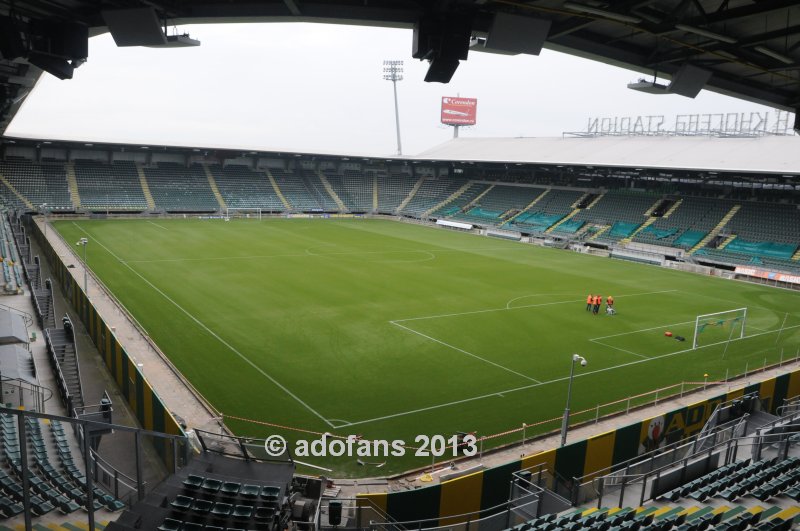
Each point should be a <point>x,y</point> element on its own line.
<point>565,421</point>
<point>83,242</point>
<point>393,71</point>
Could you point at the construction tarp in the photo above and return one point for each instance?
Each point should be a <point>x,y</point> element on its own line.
<point>659,233</point>
<point>768,249</point>
<point>623,229</point>
<point>690,238</point>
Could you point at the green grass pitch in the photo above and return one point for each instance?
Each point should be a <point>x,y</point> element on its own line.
<point>388,330</point>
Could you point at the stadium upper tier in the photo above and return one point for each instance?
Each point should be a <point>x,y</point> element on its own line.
<point>724,228</point>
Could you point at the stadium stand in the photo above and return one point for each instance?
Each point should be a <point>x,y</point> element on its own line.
<point>432,192</point>
<point>463,201</point>
<point>687,225</point>
<point>296,192</point>
<point>37,183</point>
<point>393,188</point>
<point>242,187</point>
<point>624,210</point>
<point>176,188</point>
<point>109,187</point>
<point>353,188</point>
<point>499,204</point>
<point>547,212</point>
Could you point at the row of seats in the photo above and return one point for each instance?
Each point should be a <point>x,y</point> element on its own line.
<point>62,488</point>
<point>114,187</point>
<point>664,519</point>
<point>215,504</point>
<point>761,479</point>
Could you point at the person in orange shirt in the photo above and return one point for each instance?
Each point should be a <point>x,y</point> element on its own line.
<point>589,302</point>
<point>598,300</point>
<point>609,301</point>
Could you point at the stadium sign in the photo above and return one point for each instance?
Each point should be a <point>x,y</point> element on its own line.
<point>732,123</point>
<point>459,111</point>
<point>767,275</point>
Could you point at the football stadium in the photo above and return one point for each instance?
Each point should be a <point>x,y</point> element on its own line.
<point>594,331</point>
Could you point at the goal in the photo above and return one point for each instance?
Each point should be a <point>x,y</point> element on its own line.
<point>242,213</point>
<point>719,327</point>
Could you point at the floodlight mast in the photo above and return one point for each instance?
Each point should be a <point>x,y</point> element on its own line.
<point>393,71</point>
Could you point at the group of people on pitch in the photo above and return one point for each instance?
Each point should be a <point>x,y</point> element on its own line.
<point>593,303</point>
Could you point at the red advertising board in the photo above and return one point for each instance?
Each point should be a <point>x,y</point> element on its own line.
<point>459,111</point>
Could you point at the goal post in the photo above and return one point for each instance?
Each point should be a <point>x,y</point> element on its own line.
<point>242,213</point>
<point>719,327</point>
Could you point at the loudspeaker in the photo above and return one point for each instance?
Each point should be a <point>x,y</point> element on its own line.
<point>334,512</point>
<point>441,70</point>
<point>135,27</point>
<point>689,80</point>
<point>57,66</point>
<point>513,34</point>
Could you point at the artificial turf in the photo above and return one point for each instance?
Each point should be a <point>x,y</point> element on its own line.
<point>388,330</point>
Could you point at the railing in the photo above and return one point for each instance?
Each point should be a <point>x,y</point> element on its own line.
<point>640,478</point>
<point>38,395</point>
<point>362,511</point>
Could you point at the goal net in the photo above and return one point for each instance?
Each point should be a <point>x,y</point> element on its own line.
<point>713,328</point>
<point>242,213</point>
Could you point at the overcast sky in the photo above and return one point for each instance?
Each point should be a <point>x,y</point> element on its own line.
<point>319,87</point>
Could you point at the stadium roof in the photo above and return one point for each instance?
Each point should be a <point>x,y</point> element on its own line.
<point>768,154</point>
<point>750,49</point>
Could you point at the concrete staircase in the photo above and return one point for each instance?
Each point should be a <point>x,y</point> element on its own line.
<point>650,210</point>
<point>274,183</point>
<point>148,197</point>
<point>716,230</point>
<point>590,205</point>
<point>640,228</point>
<point>374,192</point>
<point>528,207</point>
<point>411,194</point>
<point>728,240</point>
<point>14,191</point>
<point>72,184</point>
<point>566,218</point>
<point>673,208</point>
<point>474,202</point>
<point>796,255</point>
<point>455,195</point>
<point>223,206</point>
<point>331,192</point>
<point>600,232</point>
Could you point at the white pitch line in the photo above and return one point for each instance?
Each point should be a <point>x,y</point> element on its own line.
<point>207,329</point>
<point>448,345</point>
<point>620,349</point>
<point>641,330</point>
<point>298,255</point>
<point>157,225</point>
<point>489,310</point>
<point>556,380</point>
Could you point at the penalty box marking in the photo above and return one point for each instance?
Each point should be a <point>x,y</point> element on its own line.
<point>555,380</point>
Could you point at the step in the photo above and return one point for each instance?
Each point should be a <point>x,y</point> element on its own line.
<point>411,194</point>
<point>728,240</point>
<point>529,206</point>
<point>331,192</point>
<point>277,189</point>
<point>562,220</point>
<point>223,206</point>
<point>452,197</point>
<point>148,197</point>
<point>716,230</point>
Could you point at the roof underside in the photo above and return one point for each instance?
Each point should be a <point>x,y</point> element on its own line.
<point>771,154</point>
<point>751,48</point>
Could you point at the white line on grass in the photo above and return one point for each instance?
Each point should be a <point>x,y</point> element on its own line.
<point>641,330</point>
<point>207,329</point>
<point>448,345</point>
<point>308,253</point>
<point>157,225</point>
<point>519,307</point>
<point>620,349</point>
<point>556,380</point>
